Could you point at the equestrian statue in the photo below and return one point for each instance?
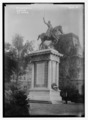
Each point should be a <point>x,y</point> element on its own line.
<point>52,34</point>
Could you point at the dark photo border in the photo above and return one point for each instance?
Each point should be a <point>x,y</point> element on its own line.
<point>3,57</point>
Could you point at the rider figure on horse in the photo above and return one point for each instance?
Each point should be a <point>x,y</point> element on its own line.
<point>49,32</point>
<point>50,28</point>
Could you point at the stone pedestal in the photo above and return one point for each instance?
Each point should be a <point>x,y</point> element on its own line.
<point>45,72</point>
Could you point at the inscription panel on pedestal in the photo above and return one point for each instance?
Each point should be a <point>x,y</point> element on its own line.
<point>40,74</point>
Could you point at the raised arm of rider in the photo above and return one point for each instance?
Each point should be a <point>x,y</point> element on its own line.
<point>45,22</point>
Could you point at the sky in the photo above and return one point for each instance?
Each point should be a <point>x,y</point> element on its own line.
<point>27,20</point>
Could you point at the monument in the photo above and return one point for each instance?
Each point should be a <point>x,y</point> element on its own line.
<point>52,34</point>
<point>45,69</point>
<point>45,72</point>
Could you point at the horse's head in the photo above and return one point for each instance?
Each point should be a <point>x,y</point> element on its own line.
<point>60,29</point>
<point>38,37</point>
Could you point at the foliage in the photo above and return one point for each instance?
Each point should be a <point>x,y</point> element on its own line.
<point>17,42</point>
<point>15,56</point>
<point>16,103</point>
<point>10,65</point>
<point>7,46</point>
<point>71,64</point>
<point>70,93</point>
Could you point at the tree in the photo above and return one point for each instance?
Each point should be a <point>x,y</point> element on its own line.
<point>69,92</point>
<point>10,66</point>
<point>11,57</point>
<point>15,54</point>
<point>7,46</point>
<point>65,87</point>
<point>17,43</point>
<point>16,103</point>
<point>27,48</point>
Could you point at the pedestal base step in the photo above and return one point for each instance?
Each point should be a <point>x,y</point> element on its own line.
<point>41,96</point>
<point>39,101</point>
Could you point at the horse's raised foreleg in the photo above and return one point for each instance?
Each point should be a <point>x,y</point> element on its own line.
<point>40,46</point>
<point>42,42</point>
<point>55,38</point>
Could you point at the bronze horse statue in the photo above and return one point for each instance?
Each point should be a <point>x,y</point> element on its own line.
<point>54,35</point>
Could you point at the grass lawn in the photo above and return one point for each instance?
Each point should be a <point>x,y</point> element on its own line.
<point>56,109</point>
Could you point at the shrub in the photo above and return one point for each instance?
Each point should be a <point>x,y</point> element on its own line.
<point>16,103</point>
<point>71,94</point>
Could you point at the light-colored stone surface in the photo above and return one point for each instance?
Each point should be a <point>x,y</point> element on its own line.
<point>49,75</point>
<point>45,51</point>
<point>32,80</point>
<point>39,95</point>
<point>45,95</point>
<point>41,92</point>
<point>55,96</point>
<point>40,73</point>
